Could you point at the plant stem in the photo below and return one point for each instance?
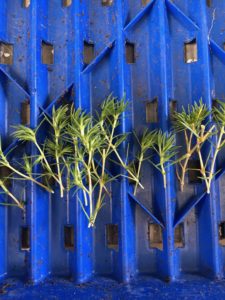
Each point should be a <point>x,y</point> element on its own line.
<point>7,164</point>
<point>190,152</point>
<point>113,147</point>
<point>141,158</point>
<point>186,160</point>
<point>90,185</point>
<point>11,195</point>
<point>58,165</point>
<point>202,166</point>
<point>46,162</point>
<point>101,187</point>
<point>133,177</point>
<point>218,144</point>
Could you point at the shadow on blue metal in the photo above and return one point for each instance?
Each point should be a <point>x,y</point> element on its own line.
<point>157,31</point>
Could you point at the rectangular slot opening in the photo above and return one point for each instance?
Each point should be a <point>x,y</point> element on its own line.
<point>88,52</point>
<point>173,108</point>
<point>112,236</point>
<point>130,53</point>
<point>194,171</point>
<point>155,236</point>
<point>209,3</point>
<point>145,2</point>
<point>152,111</point>
<point>26,3</point>
<point>107,2</point>
<point>222,233</point>
<point>190,52</point>
<point>25,112</point>
<point>25,238</point>
<point>69,237</point>
<point>67,3</point>
<point>179,236</point>
<point>6,53</point>
<point>4,176</point>
<point>47,53</point>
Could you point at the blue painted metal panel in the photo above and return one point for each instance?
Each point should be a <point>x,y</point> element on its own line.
<point>158,30</point>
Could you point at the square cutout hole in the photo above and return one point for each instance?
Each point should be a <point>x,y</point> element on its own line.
<point>66,3</point>
<point>190,52</point>
<point>152,111</point>
<point>107,2</point>
<point>88,52</point>
<point>209,3</point>
<point>155,236</point>
<point>47,53</point>
<point>179,236</point>
<point>26,3</point>
<point>145,2</point>
<point>6,53</point>
<point>130,52</point>
<point>69,237</point>
<point>222,233</point>
<point>112,236</point>
<point>25,238</point>
<point>193,171</point>
<point>25,113</point>
<point>4,174</point>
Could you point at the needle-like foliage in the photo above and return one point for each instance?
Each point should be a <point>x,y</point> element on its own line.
<point>191,123</point>
<point>166,149</point>
<point>145,144</point>
<point>94,139</point>
<point>218,113</point>
<point>79,149</point>
<point>55,146</point>
<point>192,118</point>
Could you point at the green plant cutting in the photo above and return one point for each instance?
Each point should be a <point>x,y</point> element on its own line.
<point>191,123</point>
<point>80,148</point>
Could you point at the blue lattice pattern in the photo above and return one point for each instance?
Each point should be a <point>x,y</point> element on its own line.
<point>137,48</point>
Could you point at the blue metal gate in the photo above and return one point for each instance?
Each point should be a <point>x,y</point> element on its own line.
<point>162,54</point>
